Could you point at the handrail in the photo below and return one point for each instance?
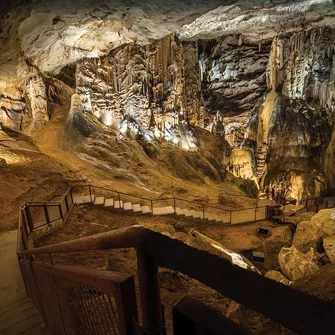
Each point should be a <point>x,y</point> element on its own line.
<point>312,315</point>
<point>169,198</point>
<point>121,238</point>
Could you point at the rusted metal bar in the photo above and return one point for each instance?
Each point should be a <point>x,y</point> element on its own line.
<point>203,212</point>
<point>174,205</point>
<point>122,238</point>
<point>30,221</point>
<point>46,213</point>
<point>66,205</point>
<point>149,293</point>
<point>71,195</point>
<point>61,211</point>
<point>125,299</point>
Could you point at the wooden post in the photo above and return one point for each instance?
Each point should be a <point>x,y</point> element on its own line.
<point>152,317</point>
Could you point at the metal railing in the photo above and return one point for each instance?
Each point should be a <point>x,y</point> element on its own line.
<point>74,300</point>
<point>36,215</point>
<point>229,216</point>
<point>276,301</point>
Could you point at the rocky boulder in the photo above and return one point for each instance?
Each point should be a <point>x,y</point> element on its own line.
<point>309,234</point>
<point>329,245</point>
<point>294,264</point>
<point>281,238</point>
<point>277,276</point>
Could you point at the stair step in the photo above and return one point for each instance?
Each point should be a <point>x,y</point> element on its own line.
<point>109,203</point>
<point>14,309</point>
<point>197,215</point>
<point>99,201</point>
<point>146,210</point>
<point>118,204</point>
<point>163,210</point>
<point>21,322</point>
<point>128,206</point>
<point>187,213</point>
<point>209,218</point>
<point>137,208</point>
<point>83,199</point>
<point>14,305</point>
<point>179,211</point>
<point>39,329</point>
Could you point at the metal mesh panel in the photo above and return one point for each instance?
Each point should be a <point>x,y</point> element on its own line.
<point>37,215</point>
<point>93,311</point>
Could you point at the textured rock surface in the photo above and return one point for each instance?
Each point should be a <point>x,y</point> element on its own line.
<point>261,74</point>
<point>259,19</point>
<point>309,234</point>
<point>233,76</point>
<point>273,245</point>
<point>277,276</point>
<point>329,245</point>
<point>320,283</point>
<point>141,90</point>
<point>295,265</point>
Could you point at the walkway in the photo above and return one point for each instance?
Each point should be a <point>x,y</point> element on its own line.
<point>18,315</point>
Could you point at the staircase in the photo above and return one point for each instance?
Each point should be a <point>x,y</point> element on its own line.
<point>21,318</point>
<point>146,210</point>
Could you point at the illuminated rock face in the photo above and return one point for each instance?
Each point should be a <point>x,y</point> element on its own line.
<point>154,69</point>
<point>143,90</point>
<point>283,118</point>
<point>298,125</point>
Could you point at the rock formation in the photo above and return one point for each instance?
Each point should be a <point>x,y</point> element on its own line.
<point>295,265</point>
<point>273,245</point>
<point>277,276</point>
<point>329,245</point>
<point>310,234</point>
<point>261,75</point>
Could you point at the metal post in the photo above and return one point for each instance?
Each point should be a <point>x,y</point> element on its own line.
<point>89,188</point>
<point>119,197</point>
<point>203,212</point>
<point>30,221</point>
<point>67,204</point>
<point>174,205</point>
<point>152,206</point>
<point>148,279</point>
<point>71,195</point>
<point>46,214</point>
<point>256,209</point>
<point>230,216</point>
<point>61,211</point>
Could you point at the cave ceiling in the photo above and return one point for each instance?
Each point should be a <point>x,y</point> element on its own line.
<point>52,34</point>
